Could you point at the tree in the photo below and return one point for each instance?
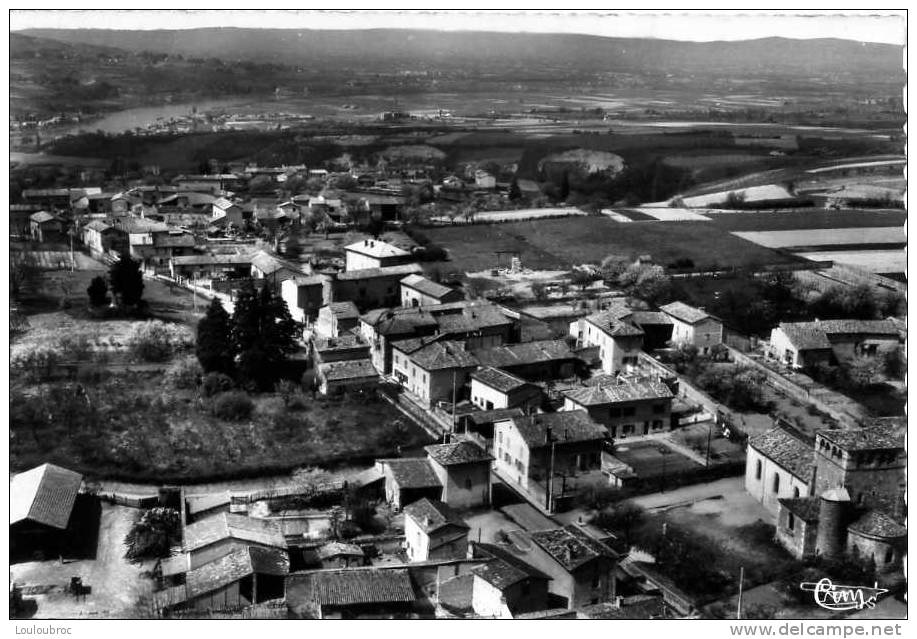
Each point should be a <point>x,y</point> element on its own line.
<point>153,535</point>
<point>649,282</point>
<point>126,281</point>
<point>515,193</point>
<point>624,518</point>
<point>583,278</point>
<point>98,291</point>
<point>263,334</point>
<point>24,271</point>
<point>539,290</point>
<point>214,346</point>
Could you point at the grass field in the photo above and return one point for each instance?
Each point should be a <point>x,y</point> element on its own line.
<point>562,243</point>
<point>807,219</point>
<point>894,261</point>
<point>825,237</point>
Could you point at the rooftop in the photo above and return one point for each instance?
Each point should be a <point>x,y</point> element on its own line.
<point>685,313</point>
<point>505,569</point>
<point>338,549</point>
<point>877,524</point>
<point>880,437</point>
<point>45,495</point>
<point>613,322</point>
<point>491,416</point>
<point>426,286</point>
<point>237,565</point>
<point>463,452</point>
<point>806,508</point>
<point>433,515</point>
<point>200,260</point>
<point>442,355</point>
<point>412,472</point>
<point>348,370</point>
<point>344,310</point>
<point>233,526</point>
<point>571,547</point>
<point>805,335</point>
<point>173,239</point>
<point>497,379</point>
<point>376,248</point>
<point>565,426</point>
<point>351,586</point>
<point>785,450</point>
<point>200,503</point>
<point>526,353</point>
<point>624,391</point>
<point>268,264</point>
<point>384,271</point>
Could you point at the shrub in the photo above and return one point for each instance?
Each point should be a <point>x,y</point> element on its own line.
<point>36,363</point>
<point>184,373</point>
<point>156,341</point>
<point>75,347</point>
<point>233,406</point>
<point>98,292</point>
<point>153,535</point>
<point>215,383</point>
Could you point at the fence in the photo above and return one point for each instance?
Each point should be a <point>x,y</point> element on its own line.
<point>290,491</point>
<point>132,501</point>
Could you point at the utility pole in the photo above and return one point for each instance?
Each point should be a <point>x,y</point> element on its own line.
<point>741,584</point>
<point>453,400</point>
<point>550,496</point>
<point>707,464</point>
<point>71,250</point>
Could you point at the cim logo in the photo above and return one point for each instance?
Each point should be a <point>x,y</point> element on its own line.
<point>839,597</point>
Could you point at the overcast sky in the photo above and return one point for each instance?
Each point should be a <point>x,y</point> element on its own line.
<point>725,25</point>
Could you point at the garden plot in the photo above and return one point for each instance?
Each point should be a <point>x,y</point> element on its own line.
<point>750,195</point>
<point>825,237</point>
<point>893,261</point>
<point>674,215</point>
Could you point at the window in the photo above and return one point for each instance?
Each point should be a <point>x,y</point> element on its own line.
<point>500,436</point>
<point>790,521</point>
<point>889,556</point>
<point>776,487</point>
<point>467,483</point>
<point>795,493</point>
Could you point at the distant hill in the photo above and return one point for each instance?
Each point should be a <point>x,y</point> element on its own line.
<point>480,52</point>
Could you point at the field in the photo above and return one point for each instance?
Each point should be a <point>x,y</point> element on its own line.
<point>873,261</point>
<point>560,244</point>
<point>653,458</point>
<point>825,237</point>
<point>806,219</point>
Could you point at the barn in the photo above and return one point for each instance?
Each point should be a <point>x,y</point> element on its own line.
<point>42,502</point>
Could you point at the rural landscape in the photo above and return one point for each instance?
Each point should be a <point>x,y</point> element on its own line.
<point>430,324</point>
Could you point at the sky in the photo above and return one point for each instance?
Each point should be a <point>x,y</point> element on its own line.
<point>672,24</point>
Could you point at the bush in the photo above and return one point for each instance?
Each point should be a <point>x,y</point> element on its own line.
<point>98,292</point>
<point>36,363</point>
<point>75,347</point>
<point>214,383</point>
<point>156,341</point>
<point>153,535</point>
<point>233,406</point>
<point>184,374</point>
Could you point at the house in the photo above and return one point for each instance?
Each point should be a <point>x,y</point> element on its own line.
<point>484,180</point>
<point>693,326</point>
<point>417,290</point>
<point>226,213</point>
<point>102,238</point>
<point>433,530</point>
<point>46,227</point>
<point>463,468</point>
<point>805,344</point>
<point>479,425</point>
<point>408,480</point>
<point>432,370</point>
<point>372,287</point>
<point>581,568</point>
<point>549,456</point>
<point>352,593</point>
<point>506,585</point>
<point>305,295</point>
<point>242,577</point>
<point>625,406</point>
<point>269,267</point>
<point>372,253</point>
<point>619,342</point>
<point>493,388</point>
<point>154,244</point>
<point>377,206</point>
<point>336,319</point>
<point>540,360</point>
<point>213,184</point>
<point>347,346</point>
<point>41,504</point>
<point>201,507</point>
<point>778,465</point>
<point>337,554</point>
<point>223,533</point>
<point>189,202</point>
<point>222,266</point>
<point>356,374</point>
<point>50,198</point>
<point>20,214</point>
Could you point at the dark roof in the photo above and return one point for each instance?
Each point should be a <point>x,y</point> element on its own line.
<point>433,515</point>
<point>426,286</point>
<point>650,318</point>
<point>237,565</point>
<point>443,355</point>
<point>626,391</point>
<point>491,416</point>
<point>232,526</point>
<point>351,586</point>
<point>338,549</point>
<point>348,369</point>
<point>613,322</point>
<point>413,472</point>
<point>571,547</point>
<point>634,607</point>
<point>385,271</point>
<point>877,524</point>
<point>526,353</point>
<point>685,313</point>
<point>344,310</point>
<point>200,503</point>
<point>858,327</point>
<point>194,260</point>
<point>505,569</point>
<point>497,379</point>
<point>45,495</point>
<point>806,508</point>
<point>785,450</point>
<point>309,280</point>
<point>885,436</point>
<point>805,336</point>
<point>566,426</point>
<point>452,318</point>
<point>268,264</point>
<point>166,240</point>
<point>463,452</point>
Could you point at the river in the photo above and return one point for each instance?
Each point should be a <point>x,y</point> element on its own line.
<point>129,119</point>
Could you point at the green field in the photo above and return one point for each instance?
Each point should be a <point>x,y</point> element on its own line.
<point>807,219</point>
<point>562,243</point>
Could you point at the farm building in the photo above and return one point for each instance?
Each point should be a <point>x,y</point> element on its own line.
<point>353,593</point>
<point>506,585</point>
<point>46,227</point>
<point>337,377</point>
<point>409,479</point>
<point>304,296</point>
<point>42,501</point>
<point>693,326</point>
<point>221,534</point>
<point>336,319</point>
<point>540,360</point>
<point>336,554</point>
<point>433,530</point>
<point>803,344</point>
<point>417,290</point>
<point>432,371</point>
<point>494,388</point>
<point>374,254</point>
<point>463,468</point>
<point>372,287</point>
<point>625,406</point>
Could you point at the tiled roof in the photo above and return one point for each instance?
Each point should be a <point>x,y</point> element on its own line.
<point>45,495</point>
<point>348,369</point>
<point>879,437</point>
<point>858,327</point>
<point>344,310</point>
<point>200,503</point>
<point>650,318</point>
<point>43,216</point>
<point>267,263</point>
<point>425,286</point>
<point>194,260</point>
<point>433,515</point>
<point>337,549</point>
<point>626,391</point>
<point>571,547</point>
<point>472,317</point>
<point>509,355</point>
<point>566,426</point>
<point>443,355</point>
<point>497,379</point>
<point>463,452</point>
<point>384,271</point>
<point>166,240</point>
<point>805,335</point>
<point>491,416</point>
<point>353,586</point>
<point>505,569</point>
<point>223,203</point>
<point>806,508</point>
<point>99,225</point>
<point>684,312</point>
<point>391,322</point>
<point>876,524</point>
<point>309,280</point>
<point>233,526</point>
<point>785,450</point>
<point>614,322</point>
<point>634,607</point>
<point>237,565</point>
<point>376,248</point>
<point>194,199</point>
<point>452,318</point>
<point>413,473</point>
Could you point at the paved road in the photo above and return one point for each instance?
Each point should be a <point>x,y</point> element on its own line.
<point>719,488</point>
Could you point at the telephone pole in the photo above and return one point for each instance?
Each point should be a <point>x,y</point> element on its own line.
<point>741,584</point>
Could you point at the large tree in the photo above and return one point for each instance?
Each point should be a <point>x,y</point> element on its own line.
<point>263,334</point>
<point>214,340</point>
<point>126,281</point>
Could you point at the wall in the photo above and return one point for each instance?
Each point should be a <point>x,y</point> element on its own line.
<point>226,597</point>
<point>511,452</point>
<point>375,292</point>
<point>761,485</point>
<point>487,600</point>
<point>638,417</point>
<point>614,352</point>
<point>464,485</point>
<point>877,549</point>
<point>481,394</point>
<point>800,541</point>
<point>874,479</point>
<point>416,541</point>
